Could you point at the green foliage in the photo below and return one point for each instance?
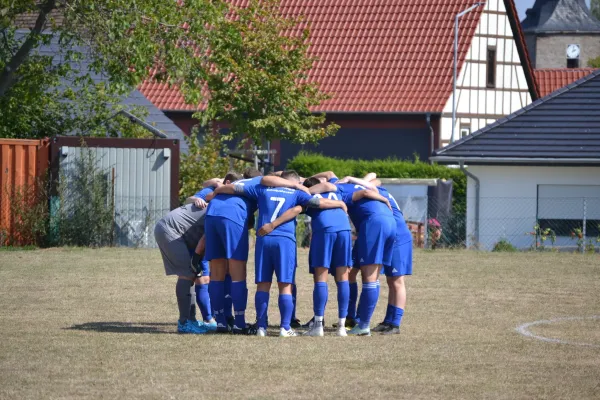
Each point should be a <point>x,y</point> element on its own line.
<point>85,216</point>
<point>308,164</point>
<point>541,236</point>
<point>594,62</point>
<point>504,246</point>
<point>595,8</point>
<point>204,161</point>
<point>249,66</point>
<point>28,208</point>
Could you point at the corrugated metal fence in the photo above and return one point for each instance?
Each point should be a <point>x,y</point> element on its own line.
<point>24,163</point>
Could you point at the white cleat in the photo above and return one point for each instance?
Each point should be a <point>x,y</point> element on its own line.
<point>342,331</point>
<point>262,332</point>
<point>285,333</point>
<point>315,330</point>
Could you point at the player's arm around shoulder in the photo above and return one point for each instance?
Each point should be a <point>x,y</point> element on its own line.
<point>282,219</point>
<point>369,194</point>
<point>327,204</point>
<point>323,187</point>
<point>276,181</point>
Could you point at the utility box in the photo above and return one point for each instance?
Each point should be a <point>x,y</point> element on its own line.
<point>143,176</point>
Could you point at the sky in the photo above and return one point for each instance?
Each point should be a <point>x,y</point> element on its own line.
<point>523,5</point>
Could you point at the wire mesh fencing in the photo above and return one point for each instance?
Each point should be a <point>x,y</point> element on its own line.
<point>498,223</point>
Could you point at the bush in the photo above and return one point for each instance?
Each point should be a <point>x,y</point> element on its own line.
<point>28,210</point>
<point>504,246</point>
<point>308,164</point>
<point>84,215</point>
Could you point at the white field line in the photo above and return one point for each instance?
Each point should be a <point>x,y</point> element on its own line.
<point>524,330</point>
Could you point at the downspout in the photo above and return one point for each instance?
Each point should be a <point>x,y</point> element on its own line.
<point>476,179</point>
<point>431,134</point>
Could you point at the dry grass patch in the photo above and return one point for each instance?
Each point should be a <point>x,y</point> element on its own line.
<point>101,324</point>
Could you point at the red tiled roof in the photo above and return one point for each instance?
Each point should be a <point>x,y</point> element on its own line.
<point>550,80</point>
<point>376,56</point>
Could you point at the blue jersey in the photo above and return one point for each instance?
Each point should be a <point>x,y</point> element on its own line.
<point>403,234</point>
<point>363,209</point>
<point>332,220</point>
<point>233,207</point>
<point>204,192</point>
<point>272,203</point>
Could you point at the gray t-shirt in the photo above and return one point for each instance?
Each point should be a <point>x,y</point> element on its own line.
<point>185,221</point>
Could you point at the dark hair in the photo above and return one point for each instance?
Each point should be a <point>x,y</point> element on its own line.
<point>232,176</point>
<point>290,173</point>
<point>312,181</point>
<point>251,172</point>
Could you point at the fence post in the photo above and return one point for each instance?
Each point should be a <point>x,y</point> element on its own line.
<point>584,223</point>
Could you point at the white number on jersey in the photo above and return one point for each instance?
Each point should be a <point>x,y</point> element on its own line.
<point>280,200</point>
<point>360,187</point>
<point>330,196</point>
<point>394,200</point>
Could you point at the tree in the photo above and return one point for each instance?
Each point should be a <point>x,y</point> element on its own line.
<point>595,8</point>
<point>247,66</point>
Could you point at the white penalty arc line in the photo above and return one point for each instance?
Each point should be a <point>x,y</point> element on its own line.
<point>524,330</point>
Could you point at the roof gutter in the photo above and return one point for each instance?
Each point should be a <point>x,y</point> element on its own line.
<point>477,186</point>
<point>516,160</point>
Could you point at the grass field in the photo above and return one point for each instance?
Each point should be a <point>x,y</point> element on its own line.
<point>101,324</point>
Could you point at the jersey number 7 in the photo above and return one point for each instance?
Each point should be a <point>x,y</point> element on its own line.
<point>279,200</point>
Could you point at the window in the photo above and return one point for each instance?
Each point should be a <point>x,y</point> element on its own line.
<point>567,208</point>
<point>465,130</point>
<point>491,67</point>
<point>572,62</point>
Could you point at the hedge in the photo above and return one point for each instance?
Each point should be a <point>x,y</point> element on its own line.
<point>307,164</point>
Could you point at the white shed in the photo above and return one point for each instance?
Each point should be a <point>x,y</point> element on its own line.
<point>537,167</point>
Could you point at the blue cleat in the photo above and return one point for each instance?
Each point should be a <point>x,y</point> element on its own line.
<point>210,326</point>
<point>190,327</point>
<point>358,331</point>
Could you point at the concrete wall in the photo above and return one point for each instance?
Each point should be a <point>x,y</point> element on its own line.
<point>551,51</point>
<point>508,200</point>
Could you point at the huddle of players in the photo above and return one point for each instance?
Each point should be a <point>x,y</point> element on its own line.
<point>383,242</point>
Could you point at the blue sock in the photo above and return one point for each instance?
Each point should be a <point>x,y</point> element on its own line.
<point>389,314</point>
<point>397,316</point>
<point>320,294</point>
<point>343,297</point>
<point>294,294</point>
<point>216,289</point>
<point>261,302</point>
<point>203,300</point>
<point>286,305</point>
<point>368,301</point>
<point>228,304</point>
<point>352,300</point>
<point>239,295</point>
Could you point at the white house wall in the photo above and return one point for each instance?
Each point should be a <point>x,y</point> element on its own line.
<point>478,105</point>
<point>508,200</point>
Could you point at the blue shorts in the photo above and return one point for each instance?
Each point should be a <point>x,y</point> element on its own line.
<point>401,261</point>
<point>275,254</point>
<point>330,250</point>
<point>376,241</point>
<point>225,239</point>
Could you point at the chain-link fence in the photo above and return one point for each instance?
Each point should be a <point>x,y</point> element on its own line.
<point>499,223</point>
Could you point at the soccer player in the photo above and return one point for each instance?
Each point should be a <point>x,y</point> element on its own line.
<point>276,252</point>
<point>177,235</point>
<point>228,219</point>
<point>400,266</point>
<point>330,253</point>
<point>371,214</point>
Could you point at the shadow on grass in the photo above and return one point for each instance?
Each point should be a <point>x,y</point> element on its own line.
<point>126,327</point>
